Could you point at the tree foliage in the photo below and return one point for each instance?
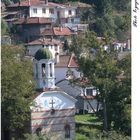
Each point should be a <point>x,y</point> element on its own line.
<point>16,88</point>
<point>102,69</point>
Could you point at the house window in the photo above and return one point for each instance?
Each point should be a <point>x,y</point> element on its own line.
<point>43,10</point>
<point>89,92</point>
<point>35,10</point>
<point>70,13</point>
<point>67,131</point>
<point>51,11</point>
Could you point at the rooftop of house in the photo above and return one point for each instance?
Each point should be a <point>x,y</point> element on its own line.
<point>33,20</point>
<point>62,31</point>
<point>67,61</point>
<point>79,4</point>
<point>58,31</point>
<point>44,41</point>
<point>29,3</point>
<point>63,61</point>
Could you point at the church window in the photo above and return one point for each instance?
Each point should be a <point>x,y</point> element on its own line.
<point>38,130</point>
<point>36,71</point>
<point>67,131</point>
<point>50,70</point>
<point>43,70</point>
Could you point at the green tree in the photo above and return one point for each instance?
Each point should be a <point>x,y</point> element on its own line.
<point>102,69</point>
<point>66,45</point>
<point>103,7</point>
<point>4,27</point>
<point>16,89</point>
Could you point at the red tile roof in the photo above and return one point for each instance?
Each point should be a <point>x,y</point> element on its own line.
<point>28,3</point>
<point>62,31</point>
<point>64,60</point>
<point>73,62</point>
<point>58,31</point>
<point>67,61</point>
<point>48,32</point>
<point>33,20</point>
<point>44,42</point>
<point>88,97</point>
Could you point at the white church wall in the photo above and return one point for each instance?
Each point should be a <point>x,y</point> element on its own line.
<point>43,102</point>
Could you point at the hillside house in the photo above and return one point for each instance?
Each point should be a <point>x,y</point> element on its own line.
<point>55,46</point>
<point>67,68</point>
<point>27,13</point>
<point>83,93</point>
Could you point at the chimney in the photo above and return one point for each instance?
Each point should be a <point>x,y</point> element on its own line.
<point>29,3</point>
<point>60,28</point>
<point>46,1</point>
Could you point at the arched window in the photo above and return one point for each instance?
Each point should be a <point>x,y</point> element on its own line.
<point>67,131</point>
<point>50,70</point>
<point>38,130</point>
<point>43,70</point>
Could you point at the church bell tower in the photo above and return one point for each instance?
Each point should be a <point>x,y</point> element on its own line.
<point>44,69</point>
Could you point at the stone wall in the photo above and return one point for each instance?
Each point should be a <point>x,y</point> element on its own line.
<point>54,124</point>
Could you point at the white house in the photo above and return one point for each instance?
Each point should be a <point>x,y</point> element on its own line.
<point>55,46</point>
<point>67,68</point>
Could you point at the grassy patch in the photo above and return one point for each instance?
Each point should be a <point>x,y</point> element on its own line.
<point>88,118</point>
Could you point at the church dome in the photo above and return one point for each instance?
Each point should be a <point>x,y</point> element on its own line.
<point>43,53</point>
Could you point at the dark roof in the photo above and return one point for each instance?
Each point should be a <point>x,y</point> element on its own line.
<point>33,20</point>
<point>69,88</point>
<point>43,53</point>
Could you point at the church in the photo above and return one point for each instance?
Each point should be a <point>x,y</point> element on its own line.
<point>52,110</point>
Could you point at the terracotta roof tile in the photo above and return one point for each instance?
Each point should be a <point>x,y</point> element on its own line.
<point>64,60</point>
<point>36,2</point>
<point>48,32</point>
<point>73,62</point>
<point>62,31</point>
<point>88,97</point>
<point>44,42</point>
<point>33,20</point>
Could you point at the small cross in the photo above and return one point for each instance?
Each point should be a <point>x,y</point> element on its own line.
<point>52,103</point>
